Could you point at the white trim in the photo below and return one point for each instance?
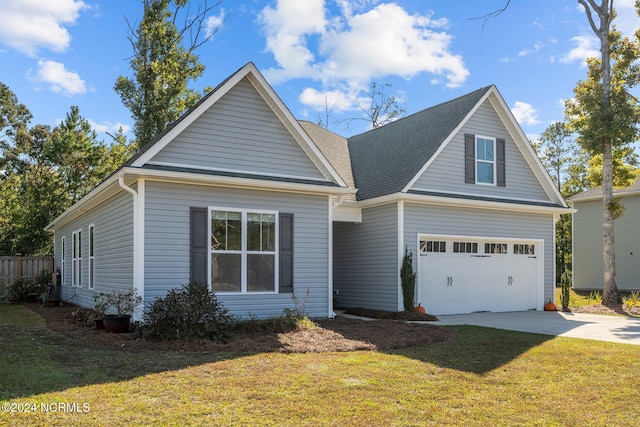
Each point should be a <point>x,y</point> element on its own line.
<point>244,172</point>
<point>400,252</point>
<point>330,313</point>
<point>467,203</point>
<point>461,193</point>
<point>497,239</point>
<point>244,252</point>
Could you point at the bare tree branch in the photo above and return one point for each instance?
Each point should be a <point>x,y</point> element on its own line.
<point>493,14</point>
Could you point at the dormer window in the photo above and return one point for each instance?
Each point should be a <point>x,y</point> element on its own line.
<point>484,160</point>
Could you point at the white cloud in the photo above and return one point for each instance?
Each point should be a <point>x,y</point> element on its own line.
<point>536,48</point>
<point>586,47</point>
<point>28,25</point>
<point>335,100</point>
<point>525,113</point>
<point>356,45</point>
<point>109,127</point>
<point>214,23</point>
<point>59,79</point>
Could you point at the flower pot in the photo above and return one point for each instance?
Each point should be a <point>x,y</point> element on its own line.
<point>117,324</point>
<point>99,323</point>
<point>32,299</point>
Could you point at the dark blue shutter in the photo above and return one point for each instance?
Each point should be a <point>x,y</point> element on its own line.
<point>286,253</point>
<point>469,158</point>
<point>199,245</point>
<point>500,163</point>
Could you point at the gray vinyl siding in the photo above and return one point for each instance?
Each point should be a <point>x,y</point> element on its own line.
<point>447,172</point>
<point>588,264</point>
<point>240,133</point>
<point>365,261</point>
<point>113,250</point>
<point>430,219</point>
<point>167,244</point>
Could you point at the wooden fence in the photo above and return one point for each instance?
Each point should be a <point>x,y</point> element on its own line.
<point>12,268</point>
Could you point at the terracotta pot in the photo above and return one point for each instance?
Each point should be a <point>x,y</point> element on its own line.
<point>117,324</point>
<point>99,323</point>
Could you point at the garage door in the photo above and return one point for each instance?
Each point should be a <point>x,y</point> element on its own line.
<point>466,275</point>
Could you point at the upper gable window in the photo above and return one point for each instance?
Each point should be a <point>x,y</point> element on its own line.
<point>484,160</point>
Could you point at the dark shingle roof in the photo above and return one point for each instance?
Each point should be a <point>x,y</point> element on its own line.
<point>385,159</point>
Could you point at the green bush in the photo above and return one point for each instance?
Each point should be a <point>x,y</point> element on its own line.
<point>21,288</point>
<point>408,281</point>
<point>192,312</point>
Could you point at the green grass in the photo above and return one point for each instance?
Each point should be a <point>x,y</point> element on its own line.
<point>483,377</point>
<point>585,298</point>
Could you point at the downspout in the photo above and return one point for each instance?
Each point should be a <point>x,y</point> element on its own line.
<point>137,245</point>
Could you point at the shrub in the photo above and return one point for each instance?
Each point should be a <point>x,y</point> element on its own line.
<point>565,295</point>
<point>191,312</point>
<point>21,288</point>
<point>124,303</point>
<point>408,281</point>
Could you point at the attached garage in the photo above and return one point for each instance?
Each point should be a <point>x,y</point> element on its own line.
<point>463,274</point>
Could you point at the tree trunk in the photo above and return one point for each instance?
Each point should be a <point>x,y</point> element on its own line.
<point>610,296</point>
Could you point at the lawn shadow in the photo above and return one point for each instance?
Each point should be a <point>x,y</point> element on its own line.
<point>477,349</point>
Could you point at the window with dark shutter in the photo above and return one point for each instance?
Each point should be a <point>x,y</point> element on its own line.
<point>199,245</point>
<point>500,163</point>
<point>286,253</point>
<point>469,158</point>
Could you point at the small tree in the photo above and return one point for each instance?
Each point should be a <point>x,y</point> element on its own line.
<point>408,281</point>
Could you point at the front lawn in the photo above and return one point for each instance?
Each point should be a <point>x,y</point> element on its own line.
<point>482,377</point>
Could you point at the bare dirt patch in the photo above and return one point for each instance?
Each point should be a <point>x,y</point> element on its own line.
<point>339,334</point>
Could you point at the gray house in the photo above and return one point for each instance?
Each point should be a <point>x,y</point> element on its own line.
<point>588,264</point>
<point>268,210</point>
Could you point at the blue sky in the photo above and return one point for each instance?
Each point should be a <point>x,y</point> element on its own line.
<point>55,54</point>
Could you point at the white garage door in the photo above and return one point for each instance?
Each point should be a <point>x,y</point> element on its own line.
<point>466,275</point>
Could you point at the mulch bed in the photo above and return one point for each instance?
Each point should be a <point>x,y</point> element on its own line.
<point>339,334</point>
<point>391,315</point>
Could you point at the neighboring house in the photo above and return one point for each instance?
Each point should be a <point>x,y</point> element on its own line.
<point>268,210</point>
<point>588,263</point>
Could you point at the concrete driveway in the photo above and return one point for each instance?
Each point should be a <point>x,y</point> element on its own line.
<point>575,325</point>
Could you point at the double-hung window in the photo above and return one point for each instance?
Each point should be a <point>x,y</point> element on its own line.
<point>485,160</point>
<point>243,250</point>
<point>62,262</point>
<point>76,259</point>
<point>91,253</point>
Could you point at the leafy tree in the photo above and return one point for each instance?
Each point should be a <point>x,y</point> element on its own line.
<point>162,66</point>
<point>605,115</point>
<point>555,148</point>
<point>77,154</point>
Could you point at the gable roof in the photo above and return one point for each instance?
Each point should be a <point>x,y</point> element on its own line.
<point>250,72</point>
<point>386,159</point>
<point>596,193</point>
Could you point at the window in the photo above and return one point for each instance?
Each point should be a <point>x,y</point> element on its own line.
<point>485,160</point>
<point>91,261</point>
<point>243,251</point>
<point>465,247</point>
<point>433,246</point>
<point>62,259</point>
<point>524,249</point>
<point>495,248</point>
<point>76,259</point>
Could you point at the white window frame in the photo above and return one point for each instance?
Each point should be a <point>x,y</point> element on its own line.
<point>493,162</point>
<point>92,267</point>
<point>244,252</point>
<point>62,261</point>
<point>76,277</point>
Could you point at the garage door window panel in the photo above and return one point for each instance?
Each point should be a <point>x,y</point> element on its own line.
<point>433,246</point>
<point>495,248</point>
<point>465,247</point>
